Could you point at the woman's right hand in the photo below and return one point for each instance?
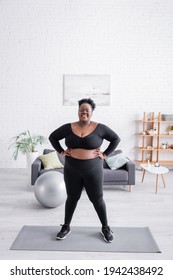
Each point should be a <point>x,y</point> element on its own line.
<point>66,153</point>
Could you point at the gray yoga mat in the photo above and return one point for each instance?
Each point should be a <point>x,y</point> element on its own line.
<point>86,239</point>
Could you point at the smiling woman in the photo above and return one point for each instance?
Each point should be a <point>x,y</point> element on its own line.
<point>84,126</point>
<point>83,163</point>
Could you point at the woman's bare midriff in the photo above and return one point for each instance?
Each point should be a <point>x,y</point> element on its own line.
<point>82,153</point>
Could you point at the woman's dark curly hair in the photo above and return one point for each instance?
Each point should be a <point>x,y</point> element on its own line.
<point>89,101</point>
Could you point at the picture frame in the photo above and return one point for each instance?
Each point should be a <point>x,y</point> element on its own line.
<point>76,87</point>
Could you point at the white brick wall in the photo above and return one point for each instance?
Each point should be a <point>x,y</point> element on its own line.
<point>132,40</point>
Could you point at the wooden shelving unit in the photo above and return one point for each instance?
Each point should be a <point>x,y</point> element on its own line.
<point>150,144</point>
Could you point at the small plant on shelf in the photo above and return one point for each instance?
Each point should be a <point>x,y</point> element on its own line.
<point>170,129</point>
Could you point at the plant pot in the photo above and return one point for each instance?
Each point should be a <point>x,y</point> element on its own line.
<point>30,157</point>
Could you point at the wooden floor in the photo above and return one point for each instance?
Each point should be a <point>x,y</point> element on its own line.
<point>142,207</point>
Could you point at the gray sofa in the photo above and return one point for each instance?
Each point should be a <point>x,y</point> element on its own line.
<point>122,176</point>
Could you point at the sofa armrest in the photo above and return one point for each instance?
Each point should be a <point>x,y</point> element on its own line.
<point>35,170</point>
<point>130,167</point>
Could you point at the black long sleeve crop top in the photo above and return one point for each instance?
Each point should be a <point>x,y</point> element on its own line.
<point>90,141</point>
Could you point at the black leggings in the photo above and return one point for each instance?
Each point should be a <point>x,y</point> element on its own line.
<point>84,173</point>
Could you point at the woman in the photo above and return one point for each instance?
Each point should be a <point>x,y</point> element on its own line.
<point>84,163</point>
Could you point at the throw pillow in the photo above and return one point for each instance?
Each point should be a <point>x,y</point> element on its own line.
<point>105,165</point>
<point>116,161</point>
<point>51,161</point>
<point>61,158</point>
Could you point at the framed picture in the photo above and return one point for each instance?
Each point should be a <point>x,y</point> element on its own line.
<point>96,87</point>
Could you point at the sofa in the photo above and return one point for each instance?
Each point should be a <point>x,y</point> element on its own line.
<point>121,176</point>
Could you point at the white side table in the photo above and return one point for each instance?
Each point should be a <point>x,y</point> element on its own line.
<point>155,170</point>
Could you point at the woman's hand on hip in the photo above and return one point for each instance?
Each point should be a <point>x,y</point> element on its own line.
<point>66,153</point>
<point>99,154</point>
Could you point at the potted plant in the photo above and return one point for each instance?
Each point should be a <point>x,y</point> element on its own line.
<point>26,144</point>
<point>171,129</point>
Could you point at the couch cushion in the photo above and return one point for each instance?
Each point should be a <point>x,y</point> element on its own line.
<point>47,151</point>
<point>116,161</point>
<point>117,175</point>
<point>51,160</point>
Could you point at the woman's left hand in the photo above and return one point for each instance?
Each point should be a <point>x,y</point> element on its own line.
<point>99,154</point>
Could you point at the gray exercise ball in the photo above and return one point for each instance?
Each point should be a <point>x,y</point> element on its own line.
<point>50,190</point>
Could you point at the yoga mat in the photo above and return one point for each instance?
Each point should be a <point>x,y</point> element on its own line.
<point>86,239</point>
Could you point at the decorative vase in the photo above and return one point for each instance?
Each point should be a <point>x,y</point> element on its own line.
<point>163,145</point>
<point>30,157</point>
